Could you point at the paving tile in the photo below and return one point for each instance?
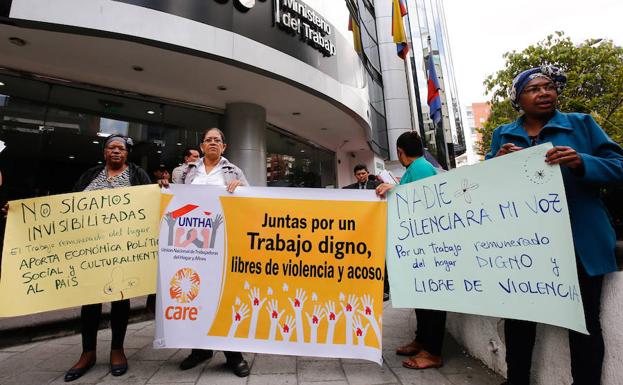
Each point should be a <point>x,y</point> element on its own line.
<point>480,378</point>
<point>320,371</point>
<point>273,364</point>
<point>368,374</point>
<point>170,372</point>
<point>148,331</point>
<point>137,342</point>
<point>273,379</point>
<point>149,354</point>
<point>324,383</point>
<point>170,383</point>
<point>31,377</point>
<point>422,377</point>
<point>122,380</point>
<point>5,355</point>
<point>16,364</point>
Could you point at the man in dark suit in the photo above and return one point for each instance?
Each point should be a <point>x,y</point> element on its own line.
<point>363,180</point>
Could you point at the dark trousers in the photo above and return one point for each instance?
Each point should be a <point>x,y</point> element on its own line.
<point>587,351</point>
<point>431,327</point>
<point>232,357</point>
<point>90,317</point>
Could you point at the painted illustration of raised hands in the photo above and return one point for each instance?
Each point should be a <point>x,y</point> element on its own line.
<point>313,320</point>
<point>297,304</point>
<point>275,316</point>
<point>216,223</point>
<point>286,328</point>
<point>350,309</point>
<point>237,316</point>
<point>256,305</point>
<point>368,312</point>
<point>332,318</point>
<point>360,330</point>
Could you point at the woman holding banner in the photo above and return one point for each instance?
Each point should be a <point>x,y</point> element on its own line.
<point>214,170</point>
<point>114,173</point>
<point>589,160</point>
<point>425,350</point>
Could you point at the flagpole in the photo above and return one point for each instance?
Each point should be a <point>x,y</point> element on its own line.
<point>409,82</point>
<point>440,135</point>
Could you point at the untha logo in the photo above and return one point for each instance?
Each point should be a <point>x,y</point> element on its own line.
<point>184,286</point>
<point>198,229</point>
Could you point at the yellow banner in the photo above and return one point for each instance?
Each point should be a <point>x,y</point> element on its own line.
<point>308,261</point>
<point>74,249</point>
<point>272,270</point>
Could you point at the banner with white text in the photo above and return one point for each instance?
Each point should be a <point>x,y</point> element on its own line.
<point>272,270</point>
<point>491,239</point>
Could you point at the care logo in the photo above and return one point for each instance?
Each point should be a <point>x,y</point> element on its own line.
<point>183,288</point>
<point>190,227</point>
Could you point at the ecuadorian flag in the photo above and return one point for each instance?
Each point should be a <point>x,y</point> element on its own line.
<point>354,27</point>
<point>399,10</point>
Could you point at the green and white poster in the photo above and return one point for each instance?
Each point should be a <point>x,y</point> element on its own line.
<point>491,239</point>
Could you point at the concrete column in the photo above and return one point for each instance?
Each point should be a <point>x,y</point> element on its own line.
<point>393,71</point>
<point>245,134</point>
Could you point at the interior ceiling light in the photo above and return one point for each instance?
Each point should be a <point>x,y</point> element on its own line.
<point>179,144</point>
<point>17,41</point>
<point>96,142</point>
<point>1,84</point>
<point>151,112</point>
<point>71,157</point>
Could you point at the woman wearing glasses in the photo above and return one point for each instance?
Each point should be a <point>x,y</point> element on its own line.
<point>116,172</point>
<point>214,170</point>
<point>589,160</point>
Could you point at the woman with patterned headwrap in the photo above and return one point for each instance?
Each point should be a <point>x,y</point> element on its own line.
<point>589,160</point>
<point>116,172</point>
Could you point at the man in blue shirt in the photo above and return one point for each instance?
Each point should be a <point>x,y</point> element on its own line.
<point>425,350</point>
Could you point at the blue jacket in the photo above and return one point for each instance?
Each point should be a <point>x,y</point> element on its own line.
<point>593,234</point>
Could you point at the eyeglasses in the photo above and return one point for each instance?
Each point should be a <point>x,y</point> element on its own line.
<point>549,87</point>
<point>212,140</point>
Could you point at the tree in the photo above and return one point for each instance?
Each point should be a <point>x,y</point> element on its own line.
<point>594,71</point>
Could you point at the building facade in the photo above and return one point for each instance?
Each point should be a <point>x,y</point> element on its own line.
<point>298,105</point>
<point>429,37</point>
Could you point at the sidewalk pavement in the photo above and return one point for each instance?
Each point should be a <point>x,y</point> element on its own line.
<point>45,363</point>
